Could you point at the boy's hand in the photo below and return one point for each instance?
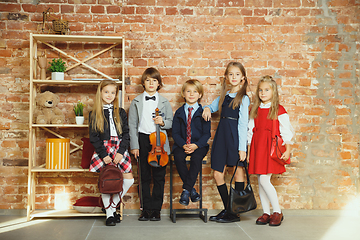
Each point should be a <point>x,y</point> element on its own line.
<point>107,160</point>
<point>206,114</point>
<point>158,120</point>
<point>135,152</point>
<point>190,148</point>
<point>118,158</point>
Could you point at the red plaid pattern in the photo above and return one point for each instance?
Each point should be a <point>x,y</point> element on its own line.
<point>188,126</point>
<point>112,146</point>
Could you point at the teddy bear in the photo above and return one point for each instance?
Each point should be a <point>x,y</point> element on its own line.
<point>46,111</point>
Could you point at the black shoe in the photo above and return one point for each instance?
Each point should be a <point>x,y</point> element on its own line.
<point>195,197</point>
<point>184,198</point>
<point>110,221</point>
<point>144,216</point>
<point>117,217</point>
<point>215,218</point>
<point>155,216</point>
<point>228,218</point>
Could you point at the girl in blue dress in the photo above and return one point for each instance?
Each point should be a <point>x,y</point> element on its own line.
<point>230,139</point>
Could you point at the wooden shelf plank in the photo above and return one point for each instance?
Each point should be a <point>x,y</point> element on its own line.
<point>71,169</point>
<point>77,38</point>
<point>60,125</point>
<point>69,82</point>
<point>62,213</point>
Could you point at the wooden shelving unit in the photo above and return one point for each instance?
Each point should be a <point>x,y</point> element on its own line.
<point>33,168</point>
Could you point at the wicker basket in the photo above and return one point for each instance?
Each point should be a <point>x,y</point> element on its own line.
<point>60,26</point>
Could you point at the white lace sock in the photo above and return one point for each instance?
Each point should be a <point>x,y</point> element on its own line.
<point>127,183</point>
<point>268,192</point>
<point>106,201</point>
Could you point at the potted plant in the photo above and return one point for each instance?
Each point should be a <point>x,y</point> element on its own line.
<point>57,68</point>
<point>79,112</point>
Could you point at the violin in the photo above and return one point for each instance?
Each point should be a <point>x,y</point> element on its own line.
<point>158,157</point>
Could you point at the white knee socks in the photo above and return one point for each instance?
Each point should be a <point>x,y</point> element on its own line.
<point>106,201</point>
<point>116,198</point>
<point>268,192</point>
<point>126,185</point>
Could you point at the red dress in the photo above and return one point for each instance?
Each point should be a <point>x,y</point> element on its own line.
<point>260,162</point>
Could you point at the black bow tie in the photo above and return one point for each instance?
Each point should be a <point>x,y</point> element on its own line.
<point>150,98</point>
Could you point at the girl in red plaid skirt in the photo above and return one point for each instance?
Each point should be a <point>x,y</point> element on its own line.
<point>109,133</point>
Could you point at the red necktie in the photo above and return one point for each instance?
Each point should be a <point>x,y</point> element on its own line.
<point>188,127</point>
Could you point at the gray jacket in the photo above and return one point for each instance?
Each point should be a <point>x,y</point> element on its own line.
<point>135,112</point>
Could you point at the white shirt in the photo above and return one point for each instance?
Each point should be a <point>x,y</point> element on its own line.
<point>110,108</point>
<point>286,130</point>
<point>146,124</point>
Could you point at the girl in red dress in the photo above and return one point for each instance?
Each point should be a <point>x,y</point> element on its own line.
<point>265,110</point>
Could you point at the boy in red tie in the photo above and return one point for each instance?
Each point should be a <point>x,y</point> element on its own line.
<point>190,133</point>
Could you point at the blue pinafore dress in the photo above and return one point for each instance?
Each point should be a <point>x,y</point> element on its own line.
<point>225,148</point>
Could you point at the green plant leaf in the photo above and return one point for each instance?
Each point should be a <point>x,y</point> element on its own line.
<point>57,65</point>
<point>79,109</point>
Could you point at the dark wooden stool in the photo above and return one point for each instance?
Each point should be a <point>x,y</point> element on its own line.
<point>193,212</point>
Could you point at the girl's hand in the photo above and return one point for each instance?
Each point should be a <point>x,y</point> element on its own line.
<point>135,152</point>
<point>286,155</point>
<point>118,158</point>
<point>107,160</point>
<point>248,154</point>
<point>158,120</point>
<point>206,114</point>
<point>242,155</point>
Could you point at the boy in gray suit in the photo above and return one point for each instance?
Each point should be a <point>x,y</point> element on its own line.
<point>141,124</point>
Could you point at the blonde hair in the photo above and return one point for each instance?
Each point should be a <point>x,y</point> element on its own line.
<point>236,102</point>
<point>196,84</point>
<point>97,117</point>
<point>273,111</point>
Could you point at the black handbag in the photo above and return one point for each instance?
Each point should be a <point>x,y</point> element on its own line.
<point>241,201</point>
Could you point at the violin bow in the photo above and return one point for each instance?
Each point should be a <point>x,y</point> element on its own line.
<point>139,183</point>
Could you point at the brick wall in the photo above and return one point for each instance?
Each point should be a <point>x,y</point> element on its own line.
<point>310,47</point>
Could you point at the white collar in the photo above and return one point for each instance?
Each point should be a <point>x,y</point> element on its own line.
<point>268,105</point>
<point>107,106</point>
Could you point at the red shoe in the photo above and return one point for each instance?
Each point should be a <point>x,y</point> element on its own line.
<point>275,219</point>
<point>263,220</point>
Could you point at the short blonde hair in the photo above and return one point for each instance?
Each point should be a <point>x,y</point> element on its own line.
<point>195,83</point>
